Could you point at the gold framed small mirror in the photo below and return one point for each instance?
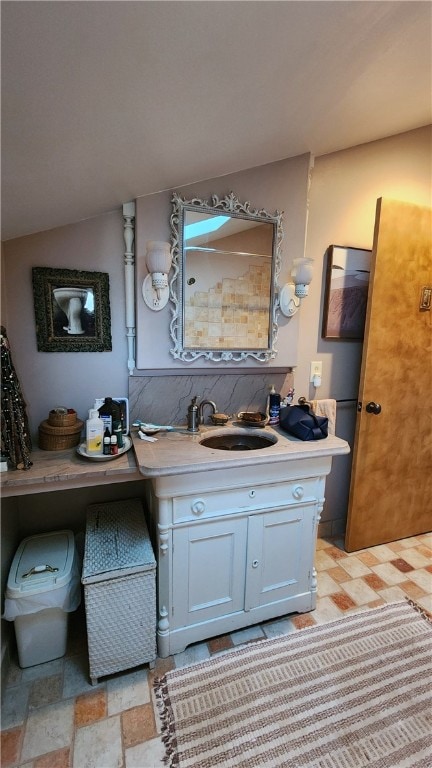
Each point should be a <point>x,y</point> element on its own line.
<point>226,263</point>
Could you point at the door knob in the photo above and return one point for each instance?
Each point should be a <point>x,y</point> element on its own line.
<point>373,408</point>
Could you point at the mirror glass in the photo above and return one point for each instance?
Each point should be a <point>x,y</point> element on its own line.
<point>226,259</point>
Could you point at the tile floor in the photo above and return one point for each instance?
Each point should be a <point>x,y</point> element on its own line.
<point>53,718</point>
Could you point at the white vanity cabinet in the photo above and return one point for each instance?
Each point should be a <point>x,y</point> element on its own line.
<point>238,564</point>
<point>235,547</point>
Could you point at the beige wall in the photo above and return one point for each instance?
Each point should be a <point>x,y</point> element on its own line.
<point>278,186</point>
<point>72,379</point>
<point>3,305</point>
<point>344,190</point>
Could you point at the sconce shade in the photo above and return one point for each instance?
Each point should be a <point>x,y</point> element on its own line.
<point>301,273</point>
<point>158,257</point>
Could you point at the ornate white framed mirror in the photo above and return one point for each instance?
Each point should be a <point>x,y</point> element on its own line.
<point>226,263</point>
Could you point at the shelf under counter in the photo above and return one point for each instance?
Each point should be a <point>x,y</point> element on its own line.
<point>63,470</point>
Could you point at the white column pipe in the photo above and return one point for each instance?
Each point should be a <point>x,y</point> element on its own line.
<point>129,262</point>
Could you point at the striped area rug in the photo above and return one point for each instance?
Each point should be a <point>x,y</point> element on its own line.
<point>351,693</point>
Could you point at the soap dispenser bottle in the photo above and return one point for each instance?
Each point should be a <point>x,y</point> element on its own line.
<point>274,407</point>
<point>94,433</point>
<point>193,416</point>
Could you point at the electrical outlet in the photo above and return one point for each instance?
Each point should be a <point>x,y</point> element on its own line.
<point>315,369</point>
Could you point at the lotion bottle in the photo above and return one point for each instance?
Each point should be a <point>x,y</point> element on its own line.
<point>94,433</point>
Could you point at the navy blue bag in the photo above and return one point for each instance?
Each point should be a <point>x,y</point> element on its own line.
<point>302,422</point>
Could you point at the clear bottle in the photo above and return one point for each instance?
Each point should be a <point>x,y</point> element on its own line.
<point>114,446</point>
<point>94,433</point>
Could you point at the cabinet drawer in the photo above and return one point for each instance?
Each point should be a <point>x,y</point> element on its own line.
<point>205,505</point>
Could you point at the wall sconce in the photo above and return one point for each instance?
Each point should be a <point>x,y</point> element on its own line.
<point>155,289</point>
<point>292,293</point>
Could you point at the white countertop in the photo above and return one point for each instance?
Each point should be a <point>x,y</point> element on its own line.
<point>173,453</point>
<point>180,452</point>
<point>62,470</point>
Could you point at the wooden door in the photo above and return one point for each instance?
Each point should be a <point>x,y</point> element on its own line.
<point>391,482</point>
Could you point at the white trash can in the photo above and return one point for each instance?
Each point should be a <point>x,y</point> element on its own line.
<point>42,588</point>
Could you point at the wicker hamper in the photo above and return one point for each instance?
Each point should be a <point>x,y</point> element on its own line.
<point>119,578</point>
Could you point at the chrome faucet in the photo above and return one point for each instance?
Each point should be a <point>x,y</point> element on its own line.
<point>195,415</point>
<point>201,409</point>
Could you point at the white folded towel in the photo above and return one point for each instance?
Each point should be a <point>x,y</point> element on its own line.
<point>326,408</point>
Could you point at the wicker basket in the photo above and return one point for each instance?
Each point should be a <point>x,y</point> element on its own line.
<point>119,578</point>
<point>56,419</point>
<point>59,438</point>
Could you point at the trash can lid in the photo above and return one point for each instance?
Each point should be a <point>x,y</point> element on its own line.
<point>42,563</point>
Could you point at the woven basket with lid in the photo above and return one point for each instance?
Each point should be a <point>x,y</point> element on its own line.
<point>52,438</point>
<point>61,419</point>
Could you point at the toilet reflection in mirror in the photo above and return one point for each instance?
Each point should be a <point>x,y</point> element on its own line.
<point>77,305</point>
<point>72,310</point>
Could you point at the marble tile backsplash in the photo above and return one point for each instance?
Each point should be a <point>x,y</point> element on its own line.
<point>233,314</point>
<point>165,399</point>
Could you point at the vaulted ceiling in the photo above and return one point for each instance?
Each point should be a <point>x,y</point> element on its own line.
<point>103,102</point>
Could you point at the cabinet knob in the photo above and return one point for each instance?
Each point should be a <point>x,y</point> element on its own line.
<point>298,492</point>
<point>252,493</point>
<point>198,506</point>
<point>254,563</point>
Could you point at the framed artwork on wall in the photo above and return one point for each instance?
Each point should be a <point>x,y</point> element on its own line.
<point>72,310</point>
<point>346,292</point>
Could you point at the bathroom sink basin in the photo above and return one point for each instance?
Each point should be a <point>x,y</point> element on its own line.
<point>238,441</point>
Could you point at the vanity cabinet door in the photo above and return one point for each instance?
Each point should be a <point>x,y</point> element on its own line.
<point>208,570</point>
<point>277,557</point>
